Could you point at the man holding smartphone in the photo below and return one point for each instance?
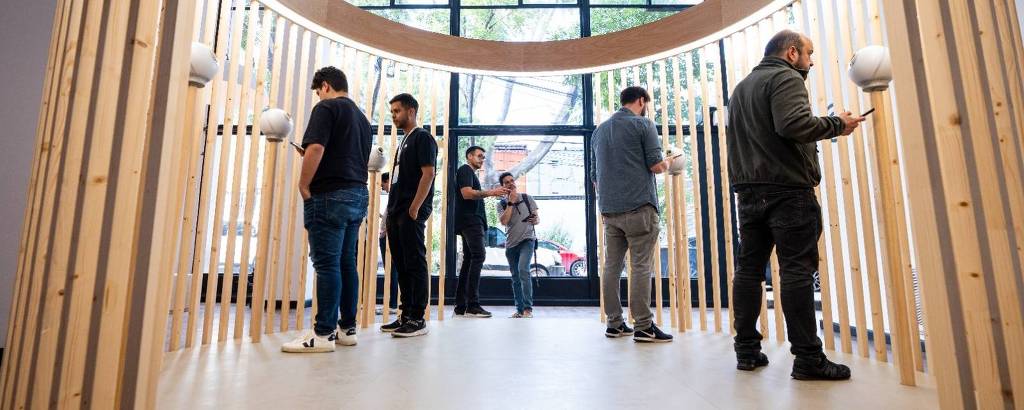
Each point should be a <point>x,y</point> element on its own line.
<point>335,150</point>
<point>773,168</point>
<point>518,212</point>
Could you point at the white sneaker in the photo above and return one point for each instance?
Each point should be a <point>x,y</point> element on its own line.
<point>309,342</point>
<point>346,337</point>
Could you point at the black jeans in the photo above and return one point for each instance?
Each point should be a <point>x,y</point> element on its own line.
<point>409,259</point>
<point>393,298</point>
<point>467,293</point>
<point>789,221</point>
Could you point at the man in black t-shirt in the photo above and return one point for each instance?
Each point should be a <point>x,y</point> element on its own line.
<point>471,223</point>
<point>410,203</point>
<point>335,150</point>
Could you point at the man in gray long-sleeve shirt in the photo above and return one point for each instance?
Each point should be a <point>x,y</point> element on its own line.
<point>627,153</point>
<point>773,168</point>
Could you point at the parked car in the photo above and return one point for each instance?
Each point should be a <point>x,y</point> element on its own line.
<point>546,262</point>
<point>577,263</point>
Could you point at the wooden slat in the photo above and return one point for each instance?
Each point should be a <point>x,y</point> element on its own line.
<point>836,212</point>
<point>868,205</point>
<point>443,151</point>
<point>301,109</point>
<point>234,204</point>
<point>727,207</point>
<point>60,256</point>
<point>282,181</point>
<point>760,36</point>
<point>810,10</point>
<point>40,200</point>
<point>656,266</point>
<point>682,258</point>
<point>666,209</point>
<point>262,283</point>
<point>93,185</point>
<point>695,175</point>
<point>213,224</point>
<point>428,111</point>
<point>206,222</point>
<point>709,171</point>
<point>924,109</point>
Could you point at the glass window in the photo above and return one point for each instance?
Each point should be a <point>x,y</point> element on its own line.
<point>421,2</point>
<point>607,20</point>
<point>489,2</point>
<point>435,20</point>
<point>549,1</point>
<point>366,3</point>
<point>550,169</point>
<point>520,100</point>
<point>538,24</point>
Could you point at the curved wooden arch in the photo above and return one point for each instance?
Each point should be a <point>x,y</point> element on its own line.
<point>694,27</point>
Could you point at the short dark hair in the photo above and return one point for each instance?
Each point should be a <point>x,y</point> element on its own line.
<point>631,94</point>
<point>406,100</point>
<point>332,76</point>
<point>385,177</point>
<point>473,149</point>
<point>501,179</point>
<point>782,41</point>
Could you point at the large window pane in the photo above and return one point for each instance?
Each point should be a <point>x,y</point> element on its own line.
<point>608,20</point>
<point>549,169</point>
<point>521,24</point>
<point>436,20</point>
<point>520,100</point>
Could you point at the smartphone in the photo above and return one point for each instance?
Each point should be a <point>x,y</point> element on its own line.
<point>868,112</point>
<point>297,146</point>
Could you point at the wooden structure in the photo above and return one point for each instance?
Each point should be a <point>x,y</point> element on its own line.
<point>146,194</point>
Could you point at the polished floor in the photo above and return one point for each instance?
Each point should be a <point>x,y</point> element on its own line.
<point>553,361</point>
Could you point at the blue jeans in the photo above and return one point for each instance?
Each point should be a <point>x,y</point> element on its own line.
<point>332,220</point>
<point>519,258</point>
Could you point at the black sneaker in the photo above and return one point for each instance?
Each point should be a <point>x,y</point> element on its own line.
<point>460,311</point>
<point>393,326</point>
<point>749,362</point>
<point>477,311</point>
<point>652,335</point>
<point>818,368</point>
<point>620,331</point>
<point>411,328</point>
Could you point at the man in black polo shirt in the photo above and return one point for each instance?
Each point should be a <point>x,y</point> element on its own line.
<point>409,205</point>
<point>471,223</point>
<point>335,150</point>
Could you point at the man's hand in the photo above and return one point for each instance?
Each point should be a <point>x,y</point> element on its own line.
<point>497,192</point>
<point>304,191</point>
<point>414,211</point>
<point>850,122</point>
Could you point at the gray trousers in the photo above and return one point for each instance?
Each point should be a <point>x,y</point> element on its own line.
<point>636,231</point>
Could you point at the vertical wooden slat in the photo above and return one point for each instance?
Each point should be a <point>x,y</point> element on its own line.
<point>443,151</point>
<point>926,105</point>
<point>666,210</point>
<point>258,284</point>
<point>279,207</point>
<point>263,281</point>
<point>59,259</point>
<point>428,114</point>
<point>93,186</point>
<point>709,171</point>
<point>730,263</point>
<point>301,110</point>
<point>855,230</point>
<point>760,36</point>
<point>682,268</point>
<point>650,85</point>
<point>835,210</point>
<point>206,222</point>
<point>221,177</point>
<point>40,199</point>
<point>695,175</point>
<point>240,138</point>
<point>810,10</point>
<point>869,205</point>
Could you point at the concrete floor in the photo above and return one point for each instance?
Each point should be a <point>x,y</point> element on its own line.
<point>556,360</point>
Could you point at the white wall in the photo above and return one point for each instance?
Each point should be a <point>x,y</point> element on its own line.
<point>24,43</point>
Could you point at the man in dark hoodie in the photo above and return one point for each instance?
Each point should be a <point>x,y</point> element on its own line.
<point>773,168</point>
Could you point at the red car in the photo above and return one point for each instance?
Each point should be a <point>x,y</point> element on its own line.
<point>576,264</point>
